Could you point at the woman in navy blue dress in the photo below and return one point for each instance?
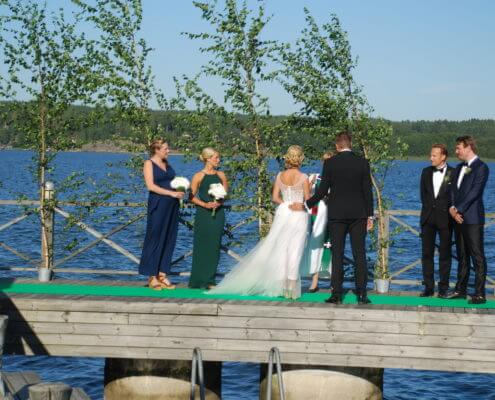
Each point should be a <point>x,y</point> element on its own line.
<point>163,217</point>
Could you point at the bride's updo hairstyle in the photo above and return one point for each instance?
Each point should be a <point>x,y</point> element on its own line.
<point>294,157</point>
<point>155,145</point>
<point>207,153</point>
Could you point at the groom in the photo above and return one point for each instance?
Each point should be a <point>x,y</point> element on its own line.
<point>468,211</point>
<point>350,211</point>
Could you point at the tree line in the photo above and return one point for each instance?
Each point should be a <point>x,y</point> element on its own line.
<point>418,135</point>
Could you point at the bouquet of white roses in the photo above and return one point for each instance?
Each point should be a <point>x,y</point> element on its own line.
<point>181,184</point>
<point>218,192</point>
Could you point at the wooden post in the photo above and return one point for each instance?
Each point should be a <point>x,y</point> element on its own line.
<point>386,238</point>
<point>47,230</point>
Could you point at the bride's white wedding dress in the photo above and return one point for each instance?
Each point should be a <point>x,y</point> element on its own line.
<point>271,268</point>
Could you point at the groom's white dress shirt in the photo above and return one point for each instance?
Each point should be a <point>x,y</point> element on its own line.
<point>463,171</point>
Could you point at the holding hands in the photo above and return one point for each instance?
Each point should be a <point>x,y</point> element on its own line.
<point>456,215</point>
<point>211,205</point>
<point>177,195</point>
<point>297,207</point>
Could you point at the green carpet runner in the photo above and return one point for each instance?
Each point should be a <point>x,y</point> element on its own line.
<point>185,293</point>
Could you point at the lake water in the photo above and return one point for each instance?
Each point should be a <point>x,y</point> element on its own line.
<point>240,380</point>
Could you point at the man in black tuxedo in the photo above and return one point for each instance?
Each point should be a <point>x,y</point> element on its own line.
<point>435,219</point>
<point>468,184</point>
<point>350,211</point>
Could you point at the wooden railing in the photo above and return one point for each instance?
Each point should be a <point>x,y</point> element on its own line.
<point>396,216</point>
<point>392,217</point>
<point>57,207</point>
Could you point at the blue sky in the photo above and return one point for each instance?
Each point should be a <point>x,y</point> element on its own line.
<point>418,59</point>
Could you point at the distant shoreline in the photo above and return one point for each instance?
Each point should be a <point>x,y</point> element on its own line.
<point>111,148</point>
<point>99,147</point>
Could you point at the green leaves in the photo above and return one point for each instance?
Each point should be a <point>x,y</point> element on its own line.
<point>126,82</point>
<point>242,59</point>
<point>50,60</point>
<point>317,73</point>
<point>47,59</point>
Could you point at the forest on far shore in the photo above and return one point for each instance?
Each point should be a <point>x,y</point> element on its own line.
<point>419,135</point>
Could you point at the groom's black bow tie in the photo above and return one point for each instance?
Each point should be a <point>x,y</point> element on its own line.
<point>465,164</point>
<point>439,170</point>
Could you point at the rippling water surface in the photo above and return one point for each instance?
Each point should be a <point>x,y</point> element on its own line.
<point>240,380</point>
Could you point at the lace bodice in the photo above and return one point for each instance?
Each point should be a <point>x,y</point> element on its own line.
<point>293,193</point>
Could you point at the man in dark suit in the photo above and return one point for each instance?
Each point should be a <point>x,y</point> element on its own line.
<point>435,219</point>
<point>350,211</point>
<point>468,183</point>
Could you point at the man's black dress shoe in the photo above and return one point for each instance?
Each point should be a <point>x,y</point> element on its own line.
<point>363,299</point>
<point>334,299</point>
<point>457,295</point>
<point>313,290</point>
<point>477,300</point>
<point>426,293</point>
<point>443,295</point>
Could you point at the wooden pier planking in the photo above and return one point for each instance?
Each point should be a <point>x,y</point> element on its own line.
<point>435,338</point>
<point>261,334</point>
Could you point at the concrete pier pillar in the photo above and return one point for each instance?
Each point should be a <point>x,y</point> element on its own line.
<point>322,382</point>
<point>157,379</point>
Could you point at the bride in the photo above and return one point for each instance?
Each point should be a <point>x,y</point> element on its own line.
<point>272,267</point>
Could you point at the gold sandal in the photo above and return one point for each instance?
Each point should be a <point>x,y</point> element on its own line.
<point>164,282</point>
<point>155,286</point>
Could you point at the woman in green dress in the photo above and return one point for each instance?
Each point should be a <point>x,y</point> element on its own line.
<point>209,221</point>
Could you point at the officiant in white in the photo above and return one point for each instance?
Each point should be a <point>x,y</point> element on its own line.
<point>315,261</point>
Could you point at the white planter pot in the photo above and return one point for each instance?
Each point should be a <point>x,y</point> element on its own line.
<point>382,285</point>
<point>44,274</point>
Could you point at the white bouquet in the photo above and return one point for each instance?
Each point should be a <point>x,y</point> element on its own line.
<point>181,184</point>
<point>218,192</point>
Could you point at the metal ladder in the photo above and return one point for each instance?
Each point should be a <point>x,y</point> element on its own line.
<point>197,370</point>
<point>3,332</point>
<point>274,354</point>
<point>197,365</point>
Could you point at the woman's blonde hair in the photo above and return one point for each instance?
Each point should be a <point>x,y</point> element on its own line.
<point>294,156</point>
<point>327,154</point>
<point>155,145</point>
<point>207,153</point>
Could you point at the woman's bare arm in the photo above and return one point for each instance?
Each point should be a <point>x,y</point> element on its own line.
<point>276,193</point>
<point>307,189</point>
<point>148,180</point>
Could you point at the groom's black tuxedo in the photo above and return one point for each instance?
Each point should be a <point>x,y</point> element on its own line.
<point>435,219</point>
<point>348,177</point>
<point>350,203</point>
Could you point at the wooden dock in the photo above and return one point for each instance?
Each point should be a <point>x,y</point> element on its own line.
<point>311,333</point>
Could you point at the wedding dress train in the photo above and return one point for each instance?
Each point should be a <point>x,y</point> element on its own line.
<point>271,268</point>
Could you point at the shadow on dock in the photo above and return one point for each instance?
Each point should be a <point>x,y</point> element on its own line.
<point>23,336</point>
